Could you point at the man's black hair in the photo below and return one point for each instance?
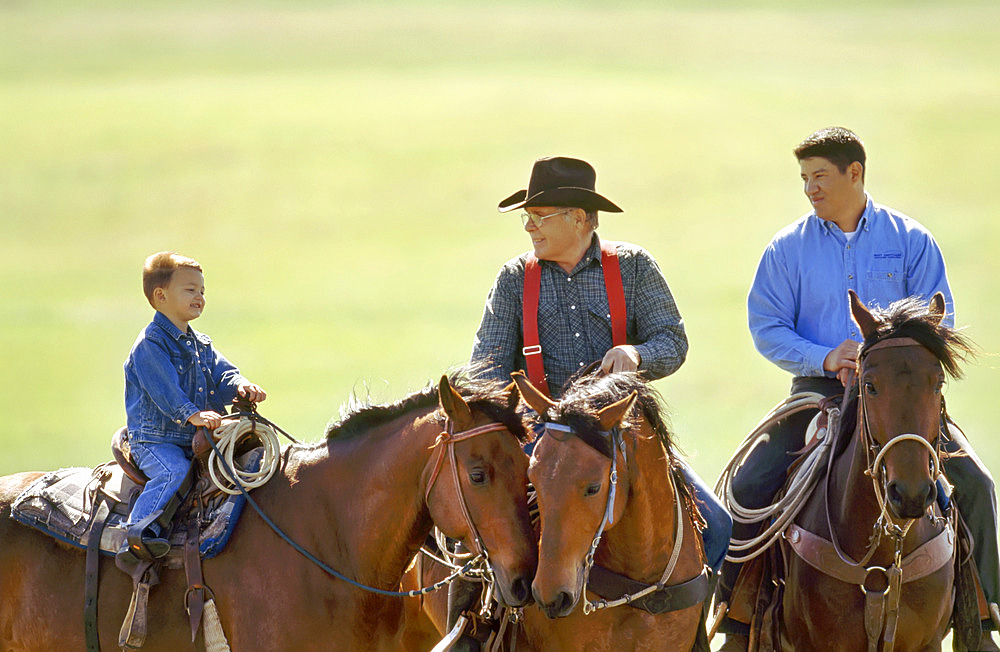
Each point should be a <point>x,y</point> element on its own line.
<point>838,145</point>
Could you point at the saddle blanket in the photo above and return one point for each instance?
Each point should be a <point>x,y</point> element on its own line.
<point>61,504</point>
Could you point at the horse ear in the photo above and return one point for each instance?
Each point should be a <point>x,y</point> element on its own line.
<point>937,307</point>
<point>512,396</point>
<point>454,405</point>
<point>537,401</point>
<point>612,415</point>
<point>862,316</point>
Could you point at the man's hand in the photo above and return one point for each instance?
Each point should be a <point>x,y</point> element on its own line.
<point>251,392</point>
<point>621,358</point>
<point>207,419</point>
<point>843,360</point>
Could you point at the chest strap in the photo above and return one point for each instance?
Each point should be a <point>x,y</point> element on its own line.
<point>821,555</point>
<point>614,288</point>
<point>673,597</point>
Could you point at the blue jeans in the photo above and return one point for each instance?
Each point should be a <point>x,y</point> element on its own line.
<point>720,522</point>
<point>166,466</point>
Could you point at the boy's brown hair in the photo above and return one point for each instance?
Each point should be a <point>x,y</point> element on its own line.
<point>159,268</point>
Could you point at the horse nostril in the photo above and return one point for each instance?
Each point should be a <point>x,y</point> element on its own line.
<point>520,591</point>
<point>563,603</point>
<point>892,493</point>
<point>931,494</point>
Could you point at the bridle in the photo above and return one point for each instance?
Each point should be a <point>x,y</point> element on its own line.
<point>872,447</point>
<point>609,443</point>
<point>445,445</point>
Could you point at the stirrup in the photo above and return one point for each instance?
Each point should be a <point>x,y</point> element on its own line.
<point>449,639</point>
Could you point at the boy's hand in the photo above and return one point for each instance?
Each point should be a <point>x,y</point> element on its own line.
<point>207,419</point>
<point>251,392</point>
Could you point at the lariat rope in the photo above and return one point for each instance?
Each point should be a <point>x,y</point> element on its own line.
<point>228,435</point>
<point>783,511</point>
<point>311,557</point>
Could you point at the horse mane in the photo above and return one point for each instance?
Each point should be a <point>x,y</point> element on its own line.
<point>586,394</point>
<point>482,394</point>
<point>909,317</point>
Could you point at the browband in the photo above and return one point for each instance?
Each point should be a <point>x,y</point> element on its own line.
<point>601,440</point>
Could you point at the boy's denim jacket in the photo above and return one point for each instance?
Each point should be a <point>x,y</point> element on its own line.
<point>169,376</point>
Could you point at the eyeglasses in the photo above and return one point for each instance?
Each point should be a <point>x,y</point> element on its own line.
<point>538,219</point>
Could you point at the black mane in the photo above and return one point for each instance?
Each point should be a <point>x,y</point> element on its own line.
<point>585,396</point>
<point>489,397</point>
<point>910,318</point>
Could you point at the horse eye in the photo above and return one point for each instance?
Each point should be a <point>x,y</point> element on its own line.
<point>870,388</point>
<point>592,489</point>
<point>477,477</point>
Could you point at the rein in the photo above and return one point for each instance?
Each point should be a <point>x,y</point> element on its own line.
<point>333,572</point>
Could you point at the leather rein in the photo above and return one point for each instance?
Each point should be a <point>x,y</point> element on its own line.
<point>880,586</point>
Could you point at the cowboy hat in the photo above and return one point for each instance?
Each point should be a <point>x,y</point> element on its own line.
<point>560,181</point>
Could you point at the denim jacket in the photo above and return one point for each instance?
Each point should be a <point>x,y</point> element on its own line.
<point>169,376</point>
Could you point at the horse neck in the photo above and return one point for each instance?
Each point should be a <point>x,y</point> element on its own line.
<point>366,493</point>
<point>853,506</point>
<point>639,545</point>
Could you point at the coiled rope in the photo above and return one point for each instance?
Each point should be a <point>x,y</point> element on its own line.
<point>788,505</point>
<point>228,436</point>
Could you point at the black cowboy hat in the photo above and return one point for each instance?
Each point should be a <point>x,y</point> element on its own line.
<point>560,181</point>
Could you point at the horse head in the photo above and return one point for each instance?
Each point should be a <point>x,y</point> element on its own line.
<point>477,486</point>
<point>901,373</point>
<point>581,479</point>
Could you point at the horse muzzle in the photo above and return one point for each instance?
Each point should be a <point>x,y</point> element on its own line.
<point>910,500</point>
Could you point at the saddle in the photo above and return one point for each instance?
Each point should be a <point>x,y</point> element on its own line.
<point>87,508</point>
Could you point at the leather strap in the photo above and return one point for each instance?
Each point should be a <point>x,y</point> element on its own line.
<point>612,586</point>
<point>194,598</point>
<point>92,574</point>
<point>613,287</point>
<point>821,555</point>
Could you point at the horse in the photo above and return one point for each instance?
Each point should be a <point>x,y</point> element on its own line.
<point>869,558</point>
<point>363,500</point>
<point>611,497</point>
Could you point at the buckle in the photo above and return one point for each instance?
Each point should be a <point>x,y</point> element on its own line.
<point>532,350</point>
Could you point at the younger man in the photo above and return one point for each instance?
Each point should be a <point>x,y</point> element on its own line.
<point>175,381</point>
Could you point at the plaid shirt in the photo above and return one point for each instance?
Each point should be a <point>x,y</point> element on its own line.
<point>574,322</point>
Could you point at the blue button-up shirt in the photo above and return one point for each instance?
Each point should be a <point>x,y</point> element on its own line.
<point>798,306</point>
<point>574,322</point>
<point>171,375</point>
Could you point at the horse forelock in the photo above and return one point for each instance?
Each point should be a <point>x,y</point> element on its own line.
<point>910,318</point>
<point>588,394</point>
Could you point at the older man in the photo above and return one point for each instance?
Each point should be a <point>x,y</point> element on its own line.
<point>570,323</point>
<point>575,300</point>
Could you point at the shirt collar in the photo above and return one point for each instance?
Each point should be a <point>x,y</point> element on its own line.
<point>592,254</point>
<point>863,224</point>
<point>171,329</point>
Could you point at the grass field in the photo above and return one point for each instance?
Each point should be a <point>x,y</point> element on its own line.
<point>336,169</point>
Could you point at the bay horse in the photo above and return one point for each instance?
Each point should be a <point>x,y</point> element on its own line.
<point>870,559</point>
<point>610,495</point>
<point>363,500</point>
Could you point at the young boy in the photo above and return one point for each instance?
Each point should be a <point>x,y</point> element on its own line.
<point>175,381</point>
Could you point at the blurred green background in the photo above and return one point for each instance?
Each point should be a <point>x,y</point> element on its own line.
<point>336,168</point>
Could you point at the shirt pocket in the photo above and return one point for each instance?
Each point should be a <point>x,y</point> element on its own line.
<point>886,285</point>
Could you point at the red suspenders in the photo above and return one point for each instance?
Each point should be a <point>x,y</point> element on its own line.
<point>532,287</point>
